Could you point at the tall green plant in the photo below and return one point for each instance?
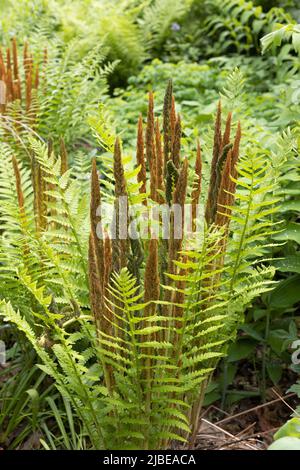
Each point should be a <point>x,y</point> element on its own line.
<point>134,360</point>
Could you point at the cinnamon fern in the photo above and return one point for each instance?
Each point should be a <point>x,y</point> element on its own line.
<point>131,329</point>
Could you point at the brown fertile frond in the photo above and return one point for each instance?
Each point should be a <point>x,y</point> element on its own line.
<point>177,142</point>
<point>21,202</point>
<point>235,156</point>
<point>15,58</point>
<point>49,147</point>
<point>152,281</point>
<point>226,135</point>
<point>9,86</point>
<point>150,147</point>
<point>96,250</point>
<point>140,158</point>
<point>8,58</point>
<point>223,196</point>
<point>37,77</point>
<point>228,187</point>
<point>179,197</point>
<point>39,188</point>
<point>95,199</point>
<point>159,162</point>
<point>150,131</point>
<point>217,135</point>
<point>179,298</point>
<point>153,178</point>
<point>213,172</point>
<point>107,258</point>
<point>120,245</point>
<point>25,54</point>
<point>64,157</point>
<point>45,56</point>
<point>173,119</point>
<point>217,182</point>
<point>95,284</point>
<point>166,122</point>
<point>176,231</point>
<point>120,183</point>
<point>2,66</point>
<point>179,194</point>
<point>197,184</point>
<point>28,90</point>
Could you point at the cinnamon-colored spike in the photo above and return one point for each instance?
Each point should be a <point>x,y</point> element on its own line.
<point>166,122</point>
<point>95,203</point>
<point>212,190</point>
<point>152,281</point>
<point>177,226</point>
<point>120,183</point>
<point>25,53</point>
<point>150,131</point>
<point>140,158</point>
<point>173,119</point>
<point>8,58</point>
<point>28,91</point>
<point>2,67</point>
<point>9,86</point>
<point>177,142</point>
<point>159,162</point>
<point>64,156</point>
<point>50,146</point>
<point>235,156</point>
<point>96,250</point>
<point>226,135</point>
<point>107,257</point>
<point>45,58</point>
<point>196,192</point>
<point>37,77</point>
<point>15,58</point>
<point>19,89</point>
<point>223,196</point>
<point>150,147</point>
<point>120,243</point>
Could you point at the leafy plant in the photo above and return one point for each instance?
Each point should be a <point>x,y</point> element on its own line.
<point>134,363</point>
<point>233,26</point>
<point>50,92</point>
<point>275,38</point>
<point>288,436</point>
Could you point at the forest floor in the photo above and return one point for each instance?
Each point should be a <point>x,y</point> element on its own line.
<point>246,426</point>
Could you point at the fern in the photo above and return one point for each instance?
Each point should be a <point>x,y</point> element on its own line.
<point>131,333</point>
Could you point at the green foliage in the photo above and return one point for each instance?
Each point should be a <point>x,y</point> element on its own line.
<point>288,437</point>
<point>232,26</point>
<point>287,32</point>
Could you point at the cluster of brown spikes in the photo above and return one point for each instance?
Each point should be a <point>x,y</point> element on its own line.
<point>163,178</point>
<point>20,78</point>
<point>223,174</point>
<point>154,152</point>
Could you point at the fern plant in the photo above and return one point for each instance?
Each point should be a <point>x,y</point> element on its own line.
<point>49,91</point>
<point>132,329</point>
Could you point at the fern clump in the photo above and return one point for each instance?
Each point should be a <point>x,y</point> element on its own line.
<point>47,92</point>
<point>131,328</point>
